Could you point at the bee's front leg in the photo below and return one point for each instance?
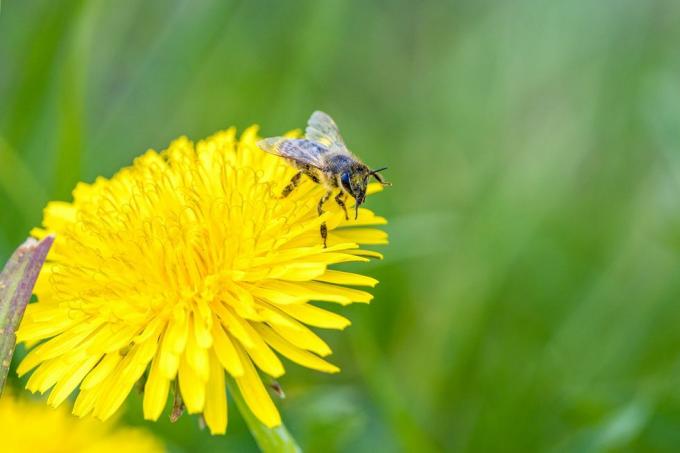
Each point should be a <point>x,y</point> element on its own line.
<point>319,208</point>
<point>340,200</point>
<point>380,179</point>
<point>294,181</point>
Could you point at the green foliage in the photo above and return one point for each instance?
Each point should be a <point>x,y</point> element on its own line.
<point>529,296</point>
<point>17,280</point>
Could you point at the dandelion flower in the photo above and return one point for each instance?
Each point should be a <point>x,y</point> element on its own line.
<point>185,266</point>
<point>28,426</point>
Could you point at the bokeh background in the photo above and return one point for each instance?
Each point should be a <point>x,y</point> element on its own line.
<point>530,296</point>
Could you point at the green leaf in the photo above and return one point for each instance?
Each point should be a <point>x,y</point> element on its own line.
<point>16,287</point>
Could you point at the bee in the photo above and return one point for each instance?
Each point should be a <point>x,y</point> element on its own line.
<point>323,157</point>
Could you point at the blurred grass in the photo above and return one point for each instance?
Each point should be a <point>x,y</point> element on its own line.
<point>529,297</point>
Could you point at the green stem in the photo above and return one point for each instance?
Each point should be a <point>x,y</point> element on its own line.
<point>268,439</point>
<point>16,287</point>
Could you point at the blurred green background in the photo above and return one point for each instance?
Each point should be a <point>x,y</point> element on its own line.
<point>530,296</point>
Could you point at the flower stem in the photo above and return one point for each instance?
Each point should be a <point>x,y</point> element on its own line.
<point>16,287</point>
<point>269,440</point>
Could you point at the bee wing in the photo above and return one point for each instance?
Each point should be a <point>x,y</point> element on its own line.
<point>301,151</point>
<point>322,129</point>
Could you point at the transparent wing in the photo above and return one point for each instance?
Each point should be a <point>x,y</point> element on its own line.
<point>300,150</point>
<point>322,129</point>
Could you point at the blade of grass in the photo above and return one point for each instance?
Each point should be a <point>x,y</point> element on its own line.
<point>384,387</point>
<point>19,182</point>
<point>71,101</point>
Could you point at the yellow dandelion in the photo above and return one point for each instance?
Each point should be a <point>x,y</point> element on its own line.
<point>183,266</point>
<point>29,426</point>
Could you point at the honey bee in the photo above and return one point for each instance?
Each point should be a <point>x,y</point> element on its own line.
<point>323,157</point>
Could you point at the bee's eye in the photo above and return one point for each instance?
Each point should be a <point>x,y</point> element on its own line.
<point>344,179</point>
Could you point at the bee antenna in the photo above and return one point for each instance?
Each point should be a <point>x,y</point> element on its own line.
<point>378,170</point>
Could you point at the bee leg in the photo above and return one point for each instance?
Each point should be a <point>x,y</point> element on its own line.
<point>340,200</point>
<point>294,181</point>
<point>381,180</point>
<point>310,174</point>
<point>319,208</point>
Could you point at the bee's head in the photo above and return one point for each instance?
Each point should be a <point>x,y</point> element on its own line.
<point>355,180</point>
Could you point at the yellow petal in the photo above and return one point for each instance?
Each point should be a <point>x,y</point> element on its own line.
<point>47,374</point>
<point>346,278</point>
<point>168,359</point>
<point>32,360</point>
<point>317,291</point>
<point>196,355</point>
<point>225,351</point>
<point>304,338</point>
<point>65,342</point>
<point>138,359</point>
<point>235,325</point>
<point>273,314</point>
<point>255,394</point>
<point>101,371</point>
<point>120,338</point>
<point>317,317</point>
<point>335,258</point>
<point>177,331</point>
<point>111,393</point>
<point>243,305</point>
<point>39,233</point>
<point>277,297</point>
<point>362,235</point>
<point>119,383</point>
<point>191,386</point>
<point>202,331</point>
<point>305,255</point>
<point>369,253</point>
<point>59,214</point>
<point>366,218</point>
<point>215,411</point>
<point>70,381</point>
<point>155,391</point>
<point>300,272</point>
<point>85,402</point>
<point>153,328</point>
<point>297,355</point>
<point>262,355</point>
<point>30,330</point>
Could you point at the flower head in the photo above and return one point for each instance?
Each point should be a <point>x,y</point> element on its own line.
<point>28,426</point>
<point>183,266</point>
